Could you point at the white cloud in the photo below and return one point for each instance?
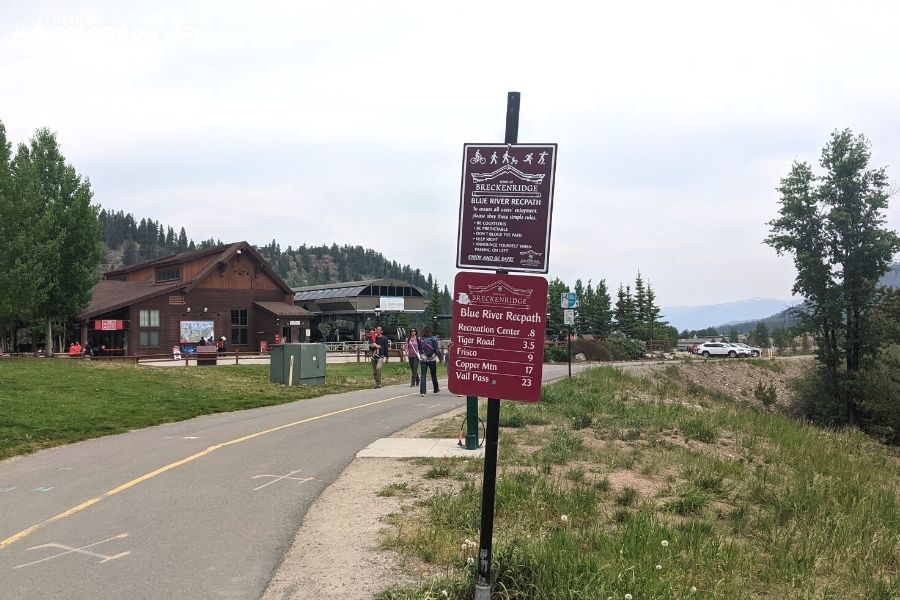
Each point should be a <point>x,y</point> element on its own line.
<point>319,123</point>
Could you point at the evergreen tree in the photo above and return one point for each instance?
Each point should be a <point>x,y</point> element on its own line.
<point>641,318</point>
<point>625,321</point>
<point>582,312</point>
<point>182,240</point>
<point>601,311</point>
<point>435,308</point>
<point>555,321</point>
<point>834,225</point>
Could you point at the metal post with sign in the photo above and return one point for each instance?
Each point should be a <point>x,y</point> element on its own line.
<point>497,338</point>
<point>569,302</point>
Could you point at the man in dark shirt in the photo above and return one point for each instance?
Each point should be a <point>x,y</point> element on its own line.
<point>379,347</point>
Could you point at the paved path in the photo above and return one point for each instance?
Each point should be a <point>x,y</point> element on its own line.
<point>203,508</point>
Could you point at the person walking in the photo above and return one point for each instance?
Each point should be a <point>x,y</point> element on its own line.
<point>379,347</point>
<point>412,354</point>
<point>430,352</point>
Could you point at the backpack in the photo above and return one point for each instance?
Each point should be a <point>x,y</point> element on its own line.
<point>427,349</point>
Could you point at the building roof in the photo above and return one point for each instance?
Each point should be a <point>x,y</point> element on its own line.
<point>282,309</point>
<point>112,294</point>
<point>345,289</point>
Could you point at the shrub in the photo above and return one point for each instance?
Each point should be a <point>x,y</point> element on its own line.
<point>595,350</point>
<point>623,348</point>
<point>556,354</point>
<point>765,393</point>
<point>881,395</point>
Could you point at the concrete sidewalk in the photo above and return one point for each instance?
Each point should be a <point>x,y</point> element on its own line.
<point>398,447</point>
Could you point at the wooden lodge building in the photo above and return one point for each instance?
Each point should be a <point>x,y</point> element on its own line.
<point>189,299</point>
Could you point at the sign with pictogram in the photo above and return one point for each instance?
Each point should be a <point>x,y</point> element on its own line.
<point>569,300</point>
<point>505,207</point>
<point>497,336</point>
<point>569,316</point>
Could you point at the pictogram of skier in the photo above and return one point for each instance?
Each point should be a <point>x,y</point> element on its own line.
<point>542,160</point>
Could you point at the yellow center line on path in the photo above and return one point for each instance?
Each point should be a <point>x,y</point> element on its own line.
<point>26,532</point>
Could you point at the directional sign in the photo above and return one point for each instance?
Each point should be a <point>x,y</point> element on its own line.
<point>569,300</point>
<point>505,207</point>
<point>497,336</point>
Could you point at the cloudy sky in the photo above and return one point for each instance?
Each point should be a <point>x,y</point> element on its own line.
<point>321,122</point>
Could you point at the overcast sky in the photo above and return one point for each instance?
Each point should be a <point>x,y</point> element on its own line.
<point>321,122</point>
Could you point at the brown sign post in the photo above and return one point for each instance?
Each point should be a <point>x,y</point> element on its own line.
<point>505,208</point>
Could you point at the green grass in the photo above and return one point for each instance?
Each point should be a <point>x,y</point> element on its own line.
<point>755,506</point>
<point>47,402</point>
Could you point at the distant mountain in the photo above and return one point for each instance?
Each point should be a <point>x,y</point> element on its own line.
<point>892,277</point>
<point>700,317</point>
<point>778,315</point>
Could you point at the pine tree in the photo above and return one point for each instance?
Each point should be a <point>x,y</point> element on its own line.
<point>601,317</point>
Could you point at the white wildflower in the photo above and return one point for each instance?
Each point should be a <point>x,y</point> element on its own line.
<point>693,589</point>
<point>445,594</point>
<point>659,567</point>
<point>627,596</point>
<point>564,518</point>
<point>665,543</point>
<point>470,561</point>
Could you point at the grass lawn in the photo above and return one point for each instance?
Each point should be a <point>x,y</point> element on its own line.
<point>617,486</point>
<point>46,402</point>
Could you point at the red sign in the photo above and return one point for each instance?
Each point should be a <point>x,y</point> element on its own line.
<point>497,336</point>
<point>505,207</point>
<point>109,325</point>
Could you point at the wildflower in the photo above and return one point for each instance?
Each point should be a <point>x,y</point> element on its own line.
<point>564,518</point>
<point>693,589</point>
<point>665,543</point>
<point>627,596</point>
<point>470,561</point>
<point>464,547</point>
<point>445,594</point>
<point>659,567</point>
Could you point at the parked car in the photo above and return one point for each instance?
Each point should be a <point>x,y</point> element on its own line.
<point>742,351</point>
<point>752,351</point>
<point>716,349</point>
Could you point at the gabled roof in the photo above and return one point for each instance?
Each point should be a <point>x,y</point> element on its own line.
<point>282,309</point>
<point>111,294</point>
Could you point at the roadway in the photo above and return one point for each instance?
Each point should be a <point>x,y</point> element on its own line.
<point>204,508</point>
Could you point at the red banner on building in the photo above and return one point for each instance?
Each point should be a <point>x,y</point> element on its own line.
<point>109,325</point>
<point>497,336</point>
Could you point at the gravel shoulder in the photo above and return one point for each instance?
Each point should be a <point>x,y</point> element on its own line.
<point>335,553</point>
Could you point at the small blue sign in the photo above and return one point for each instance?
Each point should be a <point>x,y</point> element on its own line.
<point>569,300</point>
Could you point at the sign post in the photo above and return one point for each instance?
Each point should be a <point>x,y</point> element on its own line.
<point>497,345</point>
<point>569,320</point>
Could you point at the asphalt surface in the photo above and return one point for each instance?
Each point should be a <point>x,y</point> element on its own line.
<point>204,508</point>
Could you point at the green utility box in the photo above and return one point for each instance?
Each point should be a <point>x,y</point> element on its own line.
<point>297,364</point>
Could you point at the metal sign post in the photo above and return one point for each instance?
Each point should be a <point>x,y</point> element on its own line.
<point>499,321</point>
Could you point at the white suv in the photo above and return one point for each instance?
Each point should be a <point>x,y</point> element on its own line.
<point>717,349</point>
<point>751,351</point>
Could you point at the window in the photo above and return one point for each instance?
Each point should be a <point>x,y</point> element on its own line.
<point>239,325</point>
<point>148,329</point>
<point>168,274</point>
